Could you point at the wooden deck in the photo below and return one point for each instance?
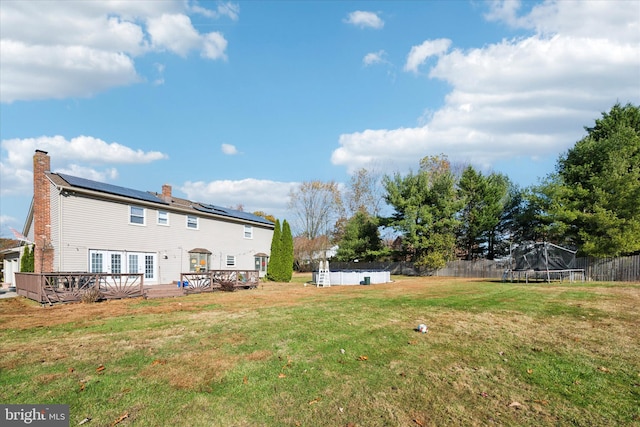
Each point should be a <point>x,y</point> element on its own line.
<point>51,288</point>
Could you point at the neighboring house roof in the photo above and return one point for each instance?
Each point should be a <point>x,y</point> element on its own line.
<point>83,185</point>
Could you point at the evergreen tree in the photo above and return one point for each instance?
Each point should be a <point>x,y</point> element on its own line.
<point>27,261</point>
<point>361,239</point>
<point>275,259</point>
<point>592,200</point>
<point>32,260</point>
<point>287,252</point>
<point>485,201</point>
<point>425,211</point>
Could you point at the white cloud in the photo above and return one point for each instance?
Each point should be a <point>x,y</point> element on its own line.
<point>505,11</point>
<point>254,194</point>
<point>16,170</point>
<point>38,71</point>
<point>214,46</point>
<point>89,173</point>
<point>228,9</point>
<point>419,54</point>
<point>79,48</point>
<point>159,80</point>
<point>173,32</point>
<point>365,19</point>
<point>527,98</point>
<point>573,17</point>
<point>229,149</point>
<point>374,58</point>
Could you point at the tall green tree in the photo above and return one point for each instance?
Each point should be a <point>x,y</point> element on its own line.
<point>287,252</point>
<point>274,269</point>
<point>593,201</point>
<point>485,199</point>
<point>361,239</point>
<point>425,206</point>
<point>27,261</point>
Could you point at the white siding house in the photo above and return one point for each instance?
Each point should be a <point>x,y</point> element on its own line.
<point>98,227</point>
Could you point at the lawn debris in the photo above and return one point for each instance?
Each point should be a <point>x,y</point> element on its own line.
<point>314,401</point>
<point>418,422</point>
<point>362,358</point>
<point>281,375</point>
<point>100,368</point>
<point>422,328</point>
<point>288,364</point>
<point>603,369</point>
<point>86,420</point>
<point>515,405</point>
<point>121,419</point>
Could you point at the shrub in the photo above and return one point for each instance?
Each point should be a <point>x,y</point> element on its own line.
<point>91,295</point>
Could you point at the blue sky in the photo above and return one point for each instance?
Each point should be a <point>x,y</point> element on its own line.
<point>238,102</point>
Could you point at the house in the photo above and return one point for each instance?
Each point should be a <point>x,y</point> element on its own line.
<point>83,225</point>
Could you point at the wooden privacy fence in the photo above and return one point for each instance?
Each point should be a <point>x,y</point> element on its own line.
<point>49,288</point>
<point>622,269</point>
<point>226,280</point>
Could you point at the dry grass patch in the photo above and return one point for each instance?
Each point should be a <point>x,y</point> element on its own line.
<point>194,370</point>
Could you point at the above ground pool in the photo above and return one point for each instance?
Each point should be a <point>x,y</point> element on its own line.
<point>356,277</point>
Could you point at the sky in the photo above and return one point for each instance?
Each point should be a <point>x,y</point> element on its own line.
<point>237,103</point>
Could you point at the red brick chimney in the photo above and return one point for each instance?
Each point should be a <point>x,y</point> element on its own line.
<point>166,193</point>
<point>43,253</point>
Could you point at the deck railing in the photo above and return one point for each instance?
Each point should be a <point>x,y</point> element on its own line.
<point>226,280</point>
<point>49,288</point>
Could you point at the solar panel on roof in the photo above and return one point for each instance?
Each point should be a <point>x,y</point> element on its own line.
<point>231,213</point>
<point>110,189</point>
<point>215,208</point>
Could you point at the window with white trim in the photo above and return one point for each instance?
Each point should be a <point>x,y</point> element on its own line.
<point>248,232</point>
<point>133,263</point>
<point>231,261</point>
<point>163,218</point>
<point>148,266</point>
<point>192,222</point>
<point>96,262</point>
<point>136,215</point>
<point>116,263</point>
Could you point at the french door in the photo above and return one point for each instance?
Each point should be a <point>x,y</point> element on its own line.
<point>118,262</point>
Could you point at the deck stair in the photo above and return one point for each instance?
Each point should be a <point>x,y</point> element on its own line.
<point>163,291</point>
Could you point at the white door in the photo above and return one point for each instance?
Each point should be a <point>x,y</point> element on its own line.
<point>145,263</point>
<point>118,262</point>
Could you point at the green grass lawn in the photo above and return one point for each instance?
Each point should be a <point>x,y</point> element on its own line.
<point>295,355</point>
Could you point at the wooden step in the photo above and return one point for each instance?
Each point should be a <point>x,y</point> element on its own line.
<point>163,291</point>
